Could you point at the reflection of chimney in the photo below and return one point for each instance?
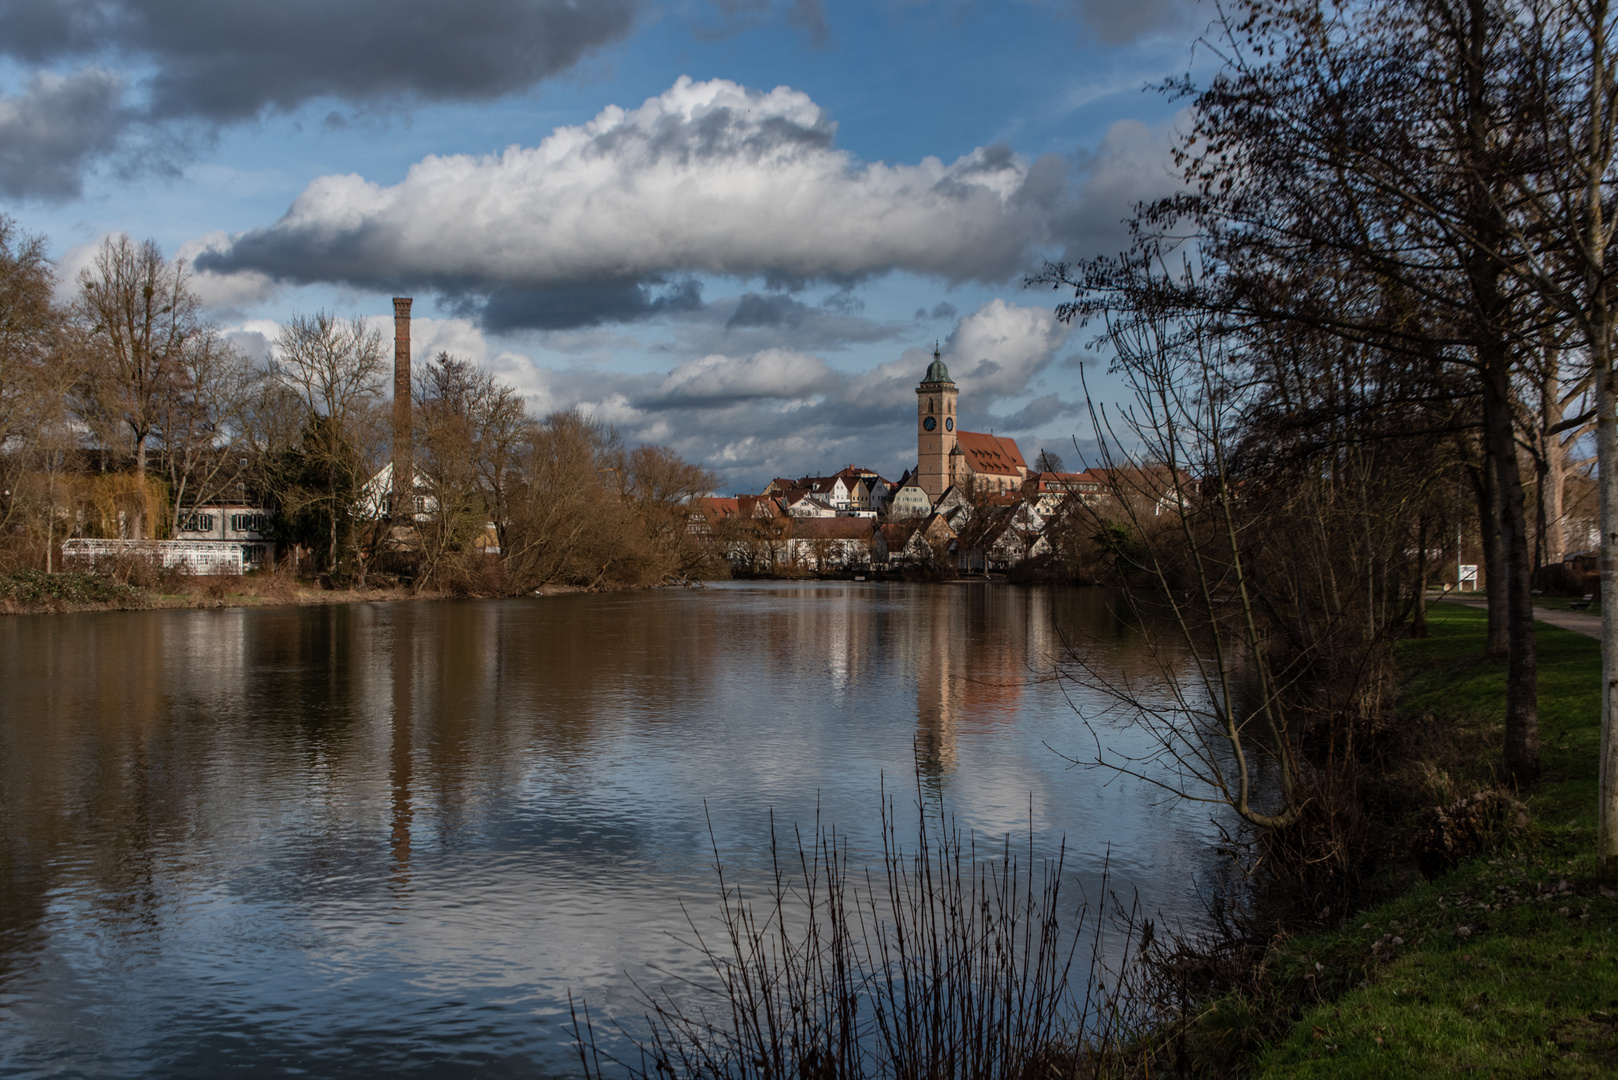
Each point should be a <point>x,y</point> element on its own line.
<point>404,471</point>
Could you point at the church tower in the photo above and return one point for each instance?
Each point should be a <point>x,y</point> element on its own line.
<point>935,428</point>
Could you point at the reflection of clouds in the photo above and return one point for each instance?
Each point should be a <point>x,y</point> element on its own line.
<point>430,820</point>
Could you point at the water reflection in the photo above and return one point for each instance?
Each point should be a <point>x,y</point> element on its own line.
<point>390,838</point>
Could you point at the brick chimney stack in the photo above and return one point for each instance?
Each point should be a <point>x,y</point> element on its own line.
<point>404,471</point>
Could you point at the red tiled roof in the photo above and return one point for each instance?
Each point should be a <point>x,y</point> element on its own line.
<point>752,505</point>
<point>991,453</point>
<point>833,528</point>
<point>717,508</point>
<point>1089,480</point>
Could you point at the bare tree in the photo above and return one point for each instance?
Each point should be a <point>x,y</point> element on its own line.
<point>471,429</point>
<point>567,514</point>
<point>1563,228</point>
<point>335,367</point>
<point>662,488</point>
<point>139,315</point>
<point>204,449</point>
<point>1354,172</point>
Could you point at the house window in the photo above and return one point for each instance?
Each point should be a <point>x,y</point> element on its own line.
<point>197,523</point>
<point>250,522</point>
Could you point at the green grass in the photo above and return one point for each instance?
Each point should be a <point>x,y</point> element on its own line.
<point>1508,965</point>
<point>1555,603</point>
<point>1565,603</point>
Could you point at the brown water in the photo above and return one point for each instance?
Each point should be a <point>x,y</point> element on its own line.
<point>389,839</point>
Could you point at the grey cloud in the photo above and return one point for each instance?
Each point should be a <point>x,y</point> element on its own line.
<point>251,343</point>
<point>810,17</point>
<point>224,60</point>
<point>1132,165</point>
<point>587,304</point>
<point>844,301</point>
<point>1120,21</point>
<point>943,310</point>
<point>760,321</point>
<point>735,16</point>
<point>773,374</point>
<point>772,310</point>
<point>52,131</point>
<point>1040,411</point>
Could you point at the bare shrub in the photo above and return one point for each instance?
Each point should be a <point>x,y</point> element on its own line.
<point>471,573</point>
<point>948,961</point>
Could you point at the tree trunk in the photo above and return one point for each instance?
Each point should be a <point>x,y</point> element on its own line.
<point>1549,466</point>
<point>1494,570</point>
<point>1491,318</point>
<point>1418,625</point>
<point>1522,669</point>
<point>331,510</point>
<point>139,529</point>
<point>1555,486</point>
<point>1607,459</point>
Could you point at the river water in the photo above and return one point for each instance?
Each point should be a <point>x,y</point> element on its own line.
<point>390,839</point>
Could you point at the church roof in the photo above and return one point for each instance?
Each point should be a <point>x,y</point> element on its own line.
<point>991,453</point>
<point>936,371</point>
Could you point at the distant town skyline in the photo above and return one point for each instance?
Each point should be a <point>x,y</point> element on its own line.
<point>733,227</point>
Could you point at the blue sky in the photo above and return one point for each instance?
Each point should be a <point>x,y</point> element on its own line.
<point>732,226</point>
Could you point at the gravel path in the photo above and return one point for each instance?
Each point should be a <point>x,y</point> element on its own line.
<point>1580,622</point>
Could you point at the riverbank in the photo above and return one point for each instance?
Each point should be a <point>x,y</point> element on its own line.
<point>1505,966</point>
<point>35,593</point>
<point>32,592</point>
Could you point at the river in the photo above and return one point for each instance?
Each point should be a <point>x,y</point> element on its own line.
<point>390,839</point>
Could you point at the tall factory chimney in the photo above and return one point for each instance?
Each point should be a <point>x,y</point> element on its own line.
<point>404,469</point>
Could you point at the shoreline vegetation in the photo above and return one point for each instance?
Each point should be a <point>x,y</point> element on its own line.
<point>1483,946</point>
<point>33,592</point>
<point>1488,949</point>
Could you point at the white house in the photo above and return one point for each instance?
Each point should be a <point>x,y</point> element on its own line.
<point>250,528</point>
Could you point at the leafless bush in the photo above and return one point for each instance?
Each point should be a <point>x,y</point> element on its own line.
<point>948,961</point>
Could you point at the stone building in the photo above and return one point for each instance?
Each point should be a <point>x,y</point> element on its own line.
<point>948,457</point>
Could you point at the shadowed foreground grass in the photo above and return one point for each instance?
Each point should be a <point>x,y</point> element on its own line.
<point>1508,965</point>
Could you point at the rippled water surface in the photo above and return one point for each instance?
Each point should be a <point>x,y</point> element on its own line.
<point>389,839</point>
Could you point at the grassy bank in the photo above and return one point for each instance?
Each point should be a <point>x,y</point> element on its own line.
<point>33,592</point>
<point>1506,966</point>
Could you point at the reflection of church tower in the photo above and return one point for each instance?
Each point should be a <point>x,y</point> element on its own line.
<point>939,679</point>
<point>935,429</point>
<point>974,655</point>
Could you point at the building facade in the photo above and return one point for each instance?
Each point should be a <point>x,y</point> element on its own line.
<point>947,457</point>
<point>935,429</point>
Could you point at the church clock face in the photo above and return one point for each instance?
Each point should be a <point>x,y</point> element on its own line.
<point>949,423</point>
<point>929,423</point>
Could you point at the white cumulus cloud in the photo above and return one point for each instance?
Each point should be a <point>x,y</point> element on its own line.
<point>608,220</point>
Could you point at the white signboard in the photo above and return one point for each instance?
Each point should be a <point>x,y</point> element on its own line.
<point>1469,575</point>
